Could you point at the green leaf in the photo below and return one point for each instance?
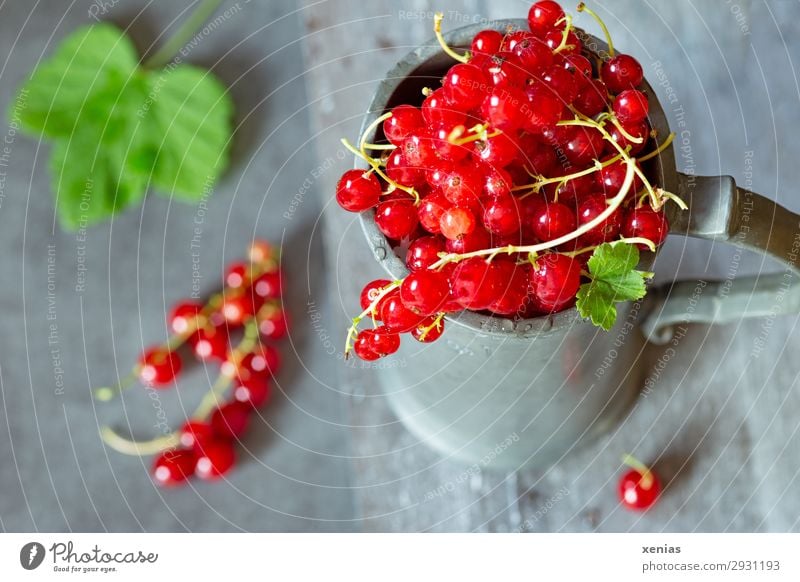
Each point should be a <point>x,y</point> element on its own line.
<point>118,128</point>
<point>614,278</point>
<point>78,82</point>
<point>192,111</point>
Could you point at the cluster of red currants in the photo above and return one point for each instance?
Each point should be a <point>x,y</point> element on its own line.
<point>505,179</point>
<point>248,308</point>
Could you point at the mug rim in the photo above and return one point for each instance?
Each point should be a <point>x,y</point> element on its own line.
<point>381,247</point>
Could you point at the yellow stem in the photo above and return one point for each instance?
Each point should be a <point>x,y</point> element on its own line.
<point>659,149</point>
<point>352,331</point>
<point>437,28</point>
<point>567,27</point>
<point>647,475</point>
<point>582,8</point>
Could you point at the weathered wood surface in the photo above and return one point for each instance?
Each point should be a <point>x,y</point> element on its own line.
<point>720,423</point>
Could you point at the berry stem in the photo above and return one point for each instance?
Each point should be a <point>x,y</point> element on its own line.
<point>646,481</point>
<point>567,28</point>
<point>583,8</point>
<point>165,54</point>
<point>631,240</point>
<point>435,325</point>
<point>659,149</point>
<point>437,29</point>
<point>536,186</point>
<point>210,400</point>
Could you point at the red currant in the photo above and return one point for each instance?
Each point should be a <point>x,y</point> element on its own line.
<point>438,110</point>
<point>397,317</point>
<point>589,209</point>
<point>430,211</point>
<point>555,280</point>
<point>372,344</point>
<point>253,391</point>
<point>370,292</point>
<point>402,172</point>
<point>428,331</point>
<point>158,367</point>
<point>631,106</point>
<point>639,489</point>
<point>210,343</point>
<point>553,220</point>
<point>185,317</point>
<point>622,72</point>
<point>486,42</point>
<point>425,292</point>
<point>174,467</point>
<point>465,84</point>
<point>194,433</point>
<point>230,420</point>
<point>215,459</point>
<point>423,252</point>
<point>272,322</point>
<point>646,223</point>
<point>456,222</point>
<point>397,219</point>
<point>357,191</point>
<point>476,283</point>
<point>405,120</point>
<point>502,216</point>
<point>543,16</point>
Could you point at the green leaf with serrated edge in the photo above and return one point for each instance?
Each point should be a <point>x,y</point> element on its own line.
<point>74,84</point>
<point>193,112</point>
<point>117,127</point>
<point>613,279</point>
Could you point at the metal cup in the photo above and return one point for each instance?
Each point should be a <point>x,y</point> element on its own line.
<point>525,393</point>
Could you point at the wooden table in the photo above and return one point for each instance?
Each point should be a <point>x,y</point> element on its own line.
<point>719,425</point>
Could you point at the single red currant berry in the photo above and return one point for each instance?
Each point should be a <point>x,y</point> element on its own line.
<point>463,185</point>
<point>497,182</point>
<point>263,361</point>
<point>428,330</point>
<point>611,178</point>
<point>465,84</point>
<point>543,16</point>
<point>475,241</point>
<point>622,72</point>
<point>546,108</point>
<point>370,292</point>
<point>438,110</point>
<point>588,210</point>
<point>592,98</point>
<point>230,420</point>
<point>533,54</point>
<point>561,82</point>
<point>581,66</point>
<point>381,341</point>
<point>646,223</point>
<point>538,157</point>
<point>272,322</point>
<point>553,220</point>
<point>631,106</point>
<point>424,252</point>
<point>236,307</point>
<point>573,46</point>
<point>236,275</point>
<point>357,191</point>
<point>502,216</point>
<point>194,433</point>
<point>505,109</point>
<point>456,222</point>
<point>158,367</point>
<point>210,343</point>
<point>216,458</point>
<point>476,283</point>
<point>260,251</point>
<point>267,286</point>
<point>402,172</point>
<point>363,347</point>
<point>397,219</point>
<point>447,150</point>
<point>486,42</point>
<point>582,145</point>
<point>397,317</point>
<point>640,487</point>
<point>514,298</point>
<point>555,280</point>
<point>420,151</point>
<point>505,71</point>
<point>405,120</point>
<point>253,391</point>
<point>174,467</point>
<point>425,292</point>
<point>185,317</point>
<point>497,151</point>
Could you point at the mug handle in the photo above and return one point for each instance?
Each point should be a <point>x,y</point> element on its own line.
<point>721,211</point>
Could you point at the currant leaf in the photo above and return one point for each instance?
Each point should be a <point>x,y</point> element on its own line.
<point>614,278</point>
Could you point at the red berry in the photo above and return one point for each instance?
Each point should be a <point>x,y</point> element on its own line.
<point>611,178</point>
<point>268,286</point>
<point>514,297</point>
<point>581,66</point>
<point>553,221</point>
<point>425,292</point>
<point>497,151</point>
<point>194,433</point>
<point>456,222</point>
<point>260,251</point>
<point>210,343</point>
<point>639,491</point>
<point>159,367</point>
<point>419,150</point>
<point>236,275</point>
<point>555,280</point>
<point>272,323</point>
<point>402,172</point>
<point>173,467</point>
<point>216,458</point>
<point>357,191</point>
<point>405,120</point>
<point>497,182</point>
<point>465,84</point>
<point>372,344</point>
<point>554,38</point>
<point>263,361</point>
<point>582,145</point>
<point>230,420</point>
<point>505,109</point>
<point>370,292</point>
<point>463,185</point>
<point>646,223</point>
<point>562,83</point>
<point>546,108</point>
<point>607,230</point>
<point>505,71</point>
<point>423,252</point>
<point>622,72</point>
<point>543,16</point>
<point>438,110</point>
<point>631,106</point>
<point>427,332</point>
<point>184,317</point>
<point>476,240</point>
<point>397,317</point>
<point>397,219</point>
<point>502,216</point>
<point>638,130</point>
<point>476,283</point>
<point>592,98</point>
<point>236,307</point>
<point>253,391</point>
<point>533,54</point>
<point>486,42</point>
